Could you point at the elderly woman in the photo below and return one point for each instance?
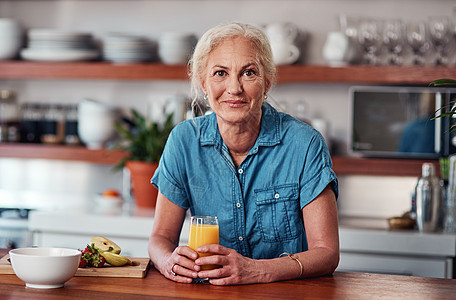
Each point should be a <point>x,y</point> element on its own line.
<point>266,176</point>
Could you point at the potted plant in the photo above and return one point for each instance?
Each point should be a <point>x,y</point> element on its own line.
<point>143,141</point>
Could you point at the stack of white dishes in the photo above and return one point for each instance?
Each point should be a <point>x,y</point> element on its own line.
<point>10,38</point>
<point>176,47</point>
<point>59,45</point>
<point>123,48</point>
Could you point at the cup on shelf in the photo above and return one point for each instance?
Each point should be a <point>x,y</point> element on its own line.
<point>96,123</point>
<point>282,37</point>
<point>287,32</point>
<point>10,38</point>
<point>284,53</point>
<point>175,47</point>
<point>339,49</point>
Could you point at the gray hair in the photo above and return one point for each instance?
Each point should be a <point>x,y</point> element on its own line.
<point>213,37</point>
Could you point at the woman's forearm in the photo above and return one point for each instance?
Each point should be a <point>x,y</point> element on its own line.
<point>159,249</point>
<point>314,262</point>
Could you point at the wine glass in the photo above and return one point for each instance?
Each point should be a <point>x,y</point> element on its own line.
<point>439,33</point>
<point>393,39</point>
<point>369,37</point>
<point>417,41</point>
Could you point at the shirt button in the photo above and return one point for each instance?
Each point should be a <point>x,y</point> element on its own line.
<point>238,204</point>
<point>240,171</point>
<point>241,238</point>
<point>277,196</point>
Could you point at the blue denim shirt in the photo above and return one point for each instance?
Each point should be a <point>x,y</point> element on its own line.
<point>259,205</point>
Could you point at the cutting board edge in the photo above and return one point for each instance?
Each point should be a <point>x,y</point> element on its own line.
<point>7,269</point>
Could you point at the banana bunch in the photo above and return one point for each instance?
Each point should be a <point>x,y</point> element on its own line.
<point>110,251</point>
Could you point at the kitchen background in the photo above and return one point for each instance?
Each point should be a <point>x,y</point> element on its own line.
<point>52,184</point>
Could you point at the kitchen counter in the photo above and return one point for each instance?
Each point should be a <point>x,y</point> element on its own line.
<point>341,285</point>
<point>366,244</point>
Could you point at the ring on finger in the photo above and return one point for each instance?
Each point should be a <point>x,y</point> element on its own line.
<point>172,270</point>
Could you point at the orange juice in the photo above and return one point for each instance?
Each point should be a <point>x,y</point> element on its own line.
<point>203,234</point>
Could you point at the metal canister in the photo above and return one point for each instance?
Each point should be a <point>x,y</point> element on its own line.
<point>428,199</point>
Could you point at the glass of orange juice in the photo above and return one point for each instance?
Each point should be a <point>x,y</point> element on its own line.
<point>203,230</point>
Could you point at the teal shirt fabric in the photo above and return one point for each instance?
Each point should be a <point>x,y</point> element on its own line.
<point>259,205</point>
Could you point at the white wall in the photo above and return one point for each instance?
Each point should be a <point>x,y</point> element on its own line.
<point>359,195</point>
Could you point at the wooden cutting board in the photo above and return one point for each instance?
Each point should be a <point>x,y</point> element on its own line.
<point>138,269</point>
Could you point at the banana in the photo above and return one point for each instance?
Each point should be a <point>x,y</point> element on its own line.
<point>105,245</point>
<point>116,260</point>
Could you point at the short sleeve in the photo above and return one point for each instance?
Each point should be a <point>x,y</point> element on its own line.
<point>168,177</point>
<point>317,172</point>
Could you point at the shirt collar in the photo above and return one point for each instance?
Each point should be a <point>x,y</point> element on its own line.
<point>269,132</point>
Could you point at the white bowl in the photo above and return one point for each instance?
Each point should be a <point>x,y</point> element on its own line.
<point>45,268</point>
<point>96,123</point>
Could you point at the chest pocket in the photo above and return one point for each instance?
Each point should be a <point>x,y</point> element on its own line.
<point>278,212</point>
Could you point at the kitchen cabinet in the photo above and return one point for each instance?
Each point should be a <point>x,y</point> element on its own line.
<point>318,74</point>
<point>401,252</point>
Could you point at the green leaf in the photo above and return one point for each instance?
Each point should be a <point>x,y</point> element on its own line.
<point>443,82</point>
<point>145,142</point>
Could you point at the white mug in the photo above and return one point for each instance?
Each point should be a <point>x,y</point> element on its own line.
<point>282,32</point>
<point>338,49</point>
<point>284,54</point>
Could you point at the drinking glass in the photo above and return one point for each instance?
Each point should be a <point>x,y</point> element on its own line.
<point>203,230</point>
<point>393,40</point>
<point>369,37</point>
<point>417,41</point>
<point>439,33</point>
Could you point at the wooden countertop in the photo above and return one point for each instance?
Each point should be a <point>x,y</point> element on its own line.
<point>341,285</point>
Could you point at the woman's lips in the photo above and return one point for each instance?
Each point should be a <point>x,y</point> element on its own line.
<point>235,103</point>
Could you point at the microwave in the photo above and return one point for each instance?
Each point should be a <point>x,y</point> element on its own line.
<point>397,121</point>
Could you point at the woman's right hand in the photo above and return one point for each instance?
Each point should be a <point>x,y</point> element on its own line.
<point>180,265</point>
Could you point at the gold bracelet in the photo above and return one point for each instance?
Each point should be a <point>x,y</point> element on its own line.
<point>294,258</point>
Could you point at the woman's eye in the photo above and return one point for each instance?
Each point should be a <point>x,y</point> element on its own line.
<point>249,73</point>
<point>220,73</point>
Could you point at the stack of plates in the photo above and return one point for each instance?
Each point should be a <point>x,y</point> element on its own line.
<point>121,48</point>
<point>58,45</point>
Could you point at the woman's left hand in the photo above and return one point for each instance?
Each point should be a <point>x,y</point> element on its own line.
<point>234,268</point>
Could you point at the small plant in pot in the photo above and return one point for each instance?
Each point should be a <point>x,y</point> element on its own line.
<point>452,107</point>
<point>143,141</point>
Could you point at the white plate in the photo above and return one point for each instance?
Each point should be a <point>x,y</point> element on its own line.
<point>55,34</point>
<point>58,55</point>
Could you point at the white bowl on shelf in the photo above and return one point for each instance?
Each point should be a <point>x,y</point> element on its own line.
<point>176,47</point>
<point>96,123</point>
<point>45,268</point>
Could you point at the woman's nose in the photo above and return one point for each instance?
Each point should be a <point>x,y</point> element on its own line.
<point>234,86</point>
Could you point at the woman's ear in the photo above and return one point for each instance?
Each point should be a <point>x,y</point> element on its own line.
<point>267,86</point>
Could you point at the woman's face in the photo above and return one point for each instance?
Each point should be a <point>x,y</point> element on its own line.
<point>234,81</point>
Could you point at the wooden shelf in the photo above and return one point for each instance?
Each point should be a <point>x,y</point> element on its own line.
<point>380,166</point>
<point>342,165</point>
<point>356,74</point>
<point>60,152</point>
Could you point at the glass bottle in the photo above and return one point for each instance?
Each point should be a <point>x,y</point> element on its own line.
<point>53,125</point>
<point>71,125</point>
<point>9,117</point>
<point>30,123</point>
